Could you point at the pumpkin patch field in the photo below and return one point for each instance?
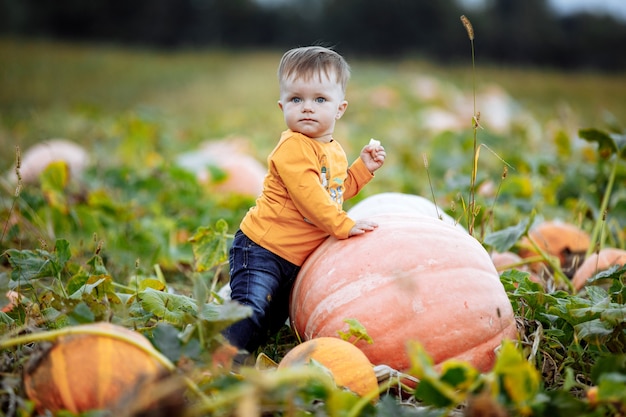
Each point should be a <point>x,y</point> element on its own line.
<point>495,283</point>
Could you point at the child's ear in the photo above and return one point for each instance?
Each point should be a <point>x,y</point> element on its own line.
<point>341,109</point>
<point>280,104</point>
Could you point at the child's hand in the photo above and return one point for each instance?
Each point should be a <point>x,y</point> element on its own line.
<point>373,155</point>
<point>362,226</point>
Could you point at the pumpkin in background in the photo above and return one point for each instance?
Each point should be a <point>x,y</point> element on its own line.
<point>392,202</point>
<point>504,261</point>
<point>413,278</point>
<point>86,371</point>
<point>349,367</point>
<point>37,158</point>
<point>563,240</point>
<point>243,174</point>
<point>597,262</point>
<point>14,299</point>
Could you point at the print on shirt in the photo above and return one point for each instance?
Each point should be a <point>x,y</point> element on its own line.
<point>334,187</point>
<point>324,178</point>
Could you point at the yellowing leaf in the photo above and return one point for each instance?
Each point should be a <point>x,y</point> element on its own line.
<point>210,246</point>
<point>54,179</point>
<point>519,377</point>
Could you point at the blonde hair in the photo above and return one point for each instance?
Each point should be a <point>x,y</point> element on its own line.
<point>309,61</point>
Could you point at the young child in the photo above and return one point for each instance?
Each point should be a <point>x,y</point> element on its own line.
<point>301,204</point>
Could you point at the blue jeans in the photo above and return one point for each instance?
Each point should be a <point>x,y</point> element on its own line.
<point>262,280</point>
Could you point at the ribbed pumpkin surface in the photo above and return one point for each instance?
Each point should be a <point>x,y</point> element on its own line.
<point>86,371</point>
<point>413,278</point>
<point>348,365</point>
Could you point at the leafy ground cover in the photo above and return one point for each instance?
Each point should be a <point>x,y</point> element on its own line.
<point>139,241</point>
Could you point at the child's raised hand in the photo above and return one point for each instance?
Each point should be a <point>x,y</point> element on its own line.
<point>373,155</point>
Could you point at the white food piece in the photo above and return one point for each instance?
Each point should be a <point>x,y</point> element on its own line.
<point>374,142</point>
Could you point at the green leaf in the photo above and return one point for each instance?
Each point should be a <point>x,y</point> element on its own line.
<point>54,318</point>
<point>608,144</point>
<point>460,375</point>
<point>97,266</point>
<point>594,331</point>
<point>613,273</point>
<point>32,264</point>
<point>607,364</point>
<point>89,287</point>
<point>561,403</point>
<point>81,314</point>
<point>388,406</point>
<point>219,316</point>
<point>5,318</point>
<point>166,338</point>
<point>520,379</point>
<point>505,239</point>
<point>615,315</point>
<point>341,400</point>
<point>356,330</point>
<point>431,394</point>
<point>171,307</point>
<point>597,295</point>
<point>612,387</point>
<point>210,246</point>
<point>62,250</point>
<point>431,389</point>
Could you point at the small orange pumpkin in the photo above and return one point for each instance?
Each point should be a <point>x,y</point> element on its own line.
<point>84,371</point>
<point>563,240</point>
<point>597,262</point>
<point>349,367</point>
<point>413,278</point>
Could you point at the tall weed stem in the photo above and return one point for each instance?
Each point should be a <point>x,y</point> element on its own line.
<point>471,212</point>
<point>596,243</point>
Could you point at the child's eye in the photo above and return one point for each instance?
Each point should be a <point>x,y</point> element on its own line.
<point>320,100</point>
<point>296,99</point>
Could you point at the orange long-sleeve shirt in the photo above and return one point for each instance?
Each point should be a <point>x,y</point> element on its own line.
<point>303,192</point>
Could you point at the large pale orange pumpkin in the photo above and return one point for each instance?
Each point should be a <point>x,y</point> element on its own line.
<point>597,262</point>
<point>413,278</point>
<point>393,202</point>
<point>349,367</point>
<point>84,371</point>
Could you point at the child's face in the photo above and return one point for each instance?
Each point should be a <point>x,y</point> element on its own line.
<point>312,106</point>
